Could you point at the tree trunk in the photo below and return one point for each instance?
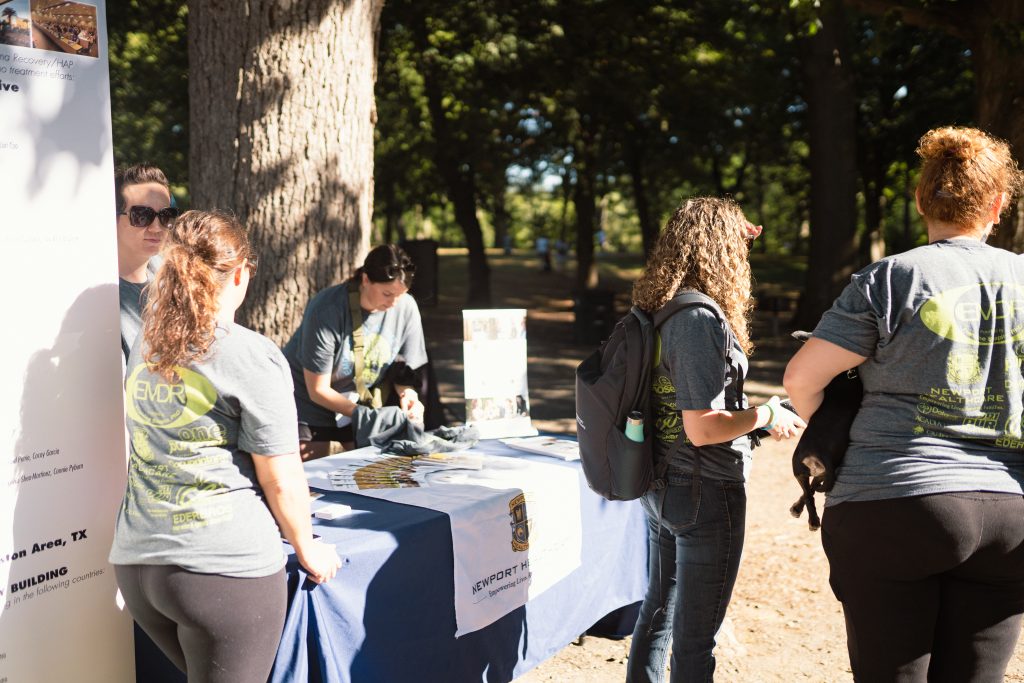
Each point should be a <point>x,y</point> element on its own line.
<point>648,228</point>
<point>282,114</point>
<point>998,48</point>
<point>831,108</point>
<point>460,182</point>
<point>872,245</point>
<point>501,217</point>
<point>584,198</point>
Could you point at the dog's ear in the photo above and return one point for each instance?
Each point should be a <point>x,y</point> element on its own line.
<point>801,336</point>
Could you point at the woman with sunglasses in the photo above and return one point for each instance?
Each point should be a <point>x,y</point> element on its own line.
<point>350,336</point>
<point>144,213</point>
<point>214,470</point>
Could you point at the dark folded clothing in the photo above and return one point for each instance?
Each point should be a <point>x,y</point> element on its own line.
<point>390,430</point>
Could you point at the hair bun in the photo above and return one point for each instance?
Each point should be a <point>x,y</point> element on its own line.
<point>950,143</point>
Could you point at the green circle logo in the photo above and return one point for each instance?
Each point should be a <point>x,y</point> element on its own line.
<point>153,401</point>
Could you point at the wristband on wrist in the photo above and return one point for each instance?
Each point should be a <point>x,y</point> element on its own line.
<point>771,416</point>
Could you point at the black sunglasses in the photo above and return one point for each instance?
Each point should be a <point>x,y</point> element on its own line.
<point>393,271</point>
<point>142,216</point>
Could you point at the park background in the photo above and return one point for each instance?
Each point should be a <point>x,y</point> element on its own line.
<point>328,126</point>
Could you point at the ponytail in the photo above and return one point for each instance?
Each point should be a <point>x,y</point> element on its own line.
<point>201,251</point>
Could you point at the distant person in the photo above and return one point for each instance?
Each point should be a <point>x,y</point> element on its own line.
<point>144,215</point>
<point>214,471</point>
<point>350,336</point>
<point>924,528</point>
<point>561,254</point>
<point>544,253</point>
<point>506,243</point>
<point>602,239</point>
<point>696,523</point>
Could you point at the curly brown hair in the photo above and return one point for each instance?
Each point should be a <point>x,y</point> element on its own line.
<point>962,171</point>
<point>199,255</point>
<point>703,247</point>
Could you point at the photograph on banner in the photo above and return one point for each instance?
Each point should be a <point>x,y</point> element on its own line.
<point>495,386</point>
<point>62,26</point>
<point>15,27</point>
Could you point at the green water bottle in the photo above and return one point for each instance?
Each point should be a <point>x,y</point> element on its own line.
<point>635,426</point>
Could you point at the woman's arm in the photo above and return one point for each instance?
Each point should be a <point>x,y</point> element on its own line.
<point>284,484</point>
<point>323,394</point>
<point>810,371</point>
<point>704,427</point>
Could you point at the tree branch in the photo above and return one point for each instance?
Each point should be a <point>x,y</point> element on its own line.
<point>952,19</point>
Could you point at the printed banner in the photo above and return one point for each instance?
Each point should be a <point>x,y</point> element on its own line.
<point>62,461</point>
<point>494,354</point>
<point>516,527</point>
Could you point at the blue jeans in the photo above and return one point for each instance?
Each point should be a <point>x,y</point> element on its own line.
<point>695,552</point>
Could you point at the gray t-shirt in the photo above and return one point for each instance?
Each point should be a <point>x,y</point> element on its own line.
<point>130,294</point>
<point>691,373</point>
<point>193,499</point>
<point>323,345</point>
<point>942,327</point>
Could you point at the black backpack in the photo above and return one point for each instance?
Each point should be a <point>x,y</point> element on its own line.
<point>612,382</point>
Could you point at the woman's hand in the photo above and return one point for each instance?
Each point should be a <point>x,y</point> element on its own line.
<point>320,560</point>
<point>785,424</point>
<point>409,402</point>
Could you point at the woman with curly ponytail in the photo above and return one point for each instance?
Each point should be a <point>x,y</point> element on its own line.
<point>702,423</point>
<point>214,468</point>
<point>924,528</point>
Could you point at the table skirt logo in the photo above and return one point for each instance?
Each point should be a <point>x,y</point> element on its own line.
<point>520,524</point>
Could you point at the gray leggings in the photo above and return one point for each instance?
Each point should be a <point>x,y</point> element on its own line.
<point>217,629</point>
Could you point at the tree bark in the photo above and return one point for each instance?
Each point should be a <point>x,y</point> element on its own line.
<point>831,108</point>
<point>282,115</point>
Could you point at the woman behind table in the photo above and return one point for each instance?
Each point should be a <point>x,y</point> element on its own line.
<point>329,378</point>
<point>924,529</point>
<point>696,524</point>
<point>214,463</point>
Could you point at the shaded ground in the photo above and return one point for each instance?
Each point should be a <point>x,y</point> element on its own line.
<point>783,623</point>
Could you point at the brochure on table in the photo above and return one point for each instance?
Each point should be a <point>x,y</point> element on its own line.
<point>62,460</point>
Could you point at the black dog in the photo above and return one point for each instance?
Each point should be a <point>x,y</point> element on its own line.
<point>823,444</point>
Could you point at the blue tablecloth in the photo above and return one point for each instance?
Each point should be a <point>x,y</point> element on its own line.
<point>390,615</point>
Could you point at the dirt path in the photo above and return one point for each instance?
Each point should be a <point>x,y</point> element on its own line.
<point>783,623</point>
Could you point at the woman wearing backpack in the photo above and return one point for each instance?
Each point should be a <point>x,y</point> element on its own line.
<point>702,422</point>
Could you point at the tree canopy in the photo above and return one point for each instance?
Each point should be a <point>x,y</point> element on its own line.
<point>506,122</point>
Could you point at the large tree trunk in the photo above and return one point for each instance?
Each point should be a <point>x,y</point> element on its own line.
<point>831,108</point>
<point>282,116</point>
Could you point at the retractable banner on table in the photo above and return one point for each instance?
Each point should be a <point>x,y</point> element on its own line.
<point>62,462</point>
<point>494,372</point>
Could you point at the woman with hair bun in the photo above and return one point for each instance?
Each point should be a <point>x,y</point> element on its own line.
<point>924,529</point>
<point>696,523</point>
<point>350,336</point>
<point>214,469</point>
